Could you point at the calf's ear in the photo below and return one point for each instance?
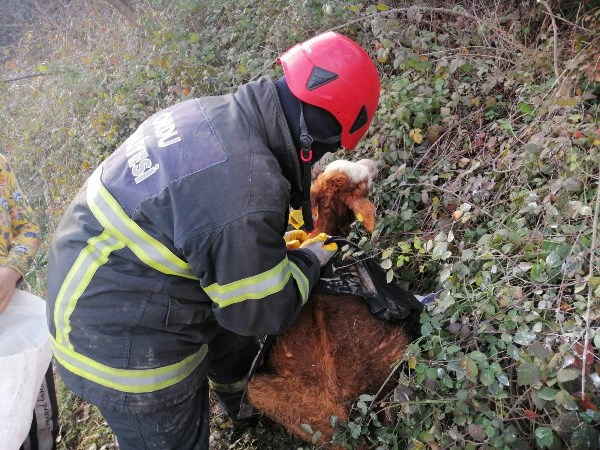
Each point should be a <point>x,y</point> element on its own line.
<point>364,211</point>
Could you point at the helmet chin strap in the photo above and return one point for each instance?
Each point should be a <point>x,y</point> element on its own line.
<point>306,156</point>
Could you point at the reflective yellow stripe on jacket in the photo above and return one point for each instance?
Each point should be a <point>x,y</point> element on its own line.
<point>120,231</point>
<point>112,217</point>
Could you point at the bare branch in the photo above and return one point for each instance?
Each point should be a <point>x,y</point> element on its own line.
<point>590,296</point>
<point>24,77</point>
<point>555,28</point>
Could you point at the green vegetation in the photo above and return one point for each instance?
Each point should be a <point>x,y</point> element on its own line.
<point>488,141</point>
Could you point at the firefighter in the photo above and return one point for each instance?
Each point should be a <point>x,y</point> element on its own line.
<point>171,259</point>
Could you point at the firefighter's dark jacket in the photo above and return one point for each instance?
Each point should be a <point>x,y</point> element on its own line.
<point>177,234</point>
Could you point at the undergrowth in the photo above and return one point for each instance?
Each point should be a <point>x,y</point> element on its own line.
<point>487,141</point>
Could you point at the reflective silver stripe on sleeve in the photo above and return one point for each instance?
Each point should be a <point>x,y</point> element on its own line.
<point>254,287</point>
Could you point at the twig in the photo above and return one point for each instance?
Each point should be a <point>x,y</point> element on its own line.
<point>555,28</point>
<point>586,338</point>
<point>128,12</point>
<point>23,77</point>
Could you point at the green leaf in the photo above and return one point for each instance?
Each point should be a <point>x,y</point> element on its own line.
<point>417,243</point>
<point>306,427</point>
<point>389,276</point>
<point>566,400</point>
<point>538,273</point>
<point>440,251</point>
<point>547,393</point>
<point>544,437</point>
<point>503,379</point>
<point>585,439</point>
<point>315,437</point>
<point>362,407</point>
<point>426,329</point>
<point>469,367</point>
<point>386,264</point>
<point>524,337</point>
<point>525,108</point>
<point>42,68</point>
<point>452,349</point>
<point>553,260</point>
<point>487,377</point>
<point>528,373</point>
<point>355,429</point>
<point>462,395</point>
<point>568,374</point>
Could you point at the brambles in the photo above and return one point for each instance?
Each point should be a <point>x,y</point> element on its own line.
<point>488,187</point>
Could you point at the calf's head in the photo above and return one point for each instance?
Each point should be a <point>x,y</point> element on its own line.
<point>339,197</point>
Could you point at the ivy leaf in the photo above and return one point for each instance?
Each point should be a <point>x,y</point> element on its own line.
<point>503,379</point>
<point>538,273</point>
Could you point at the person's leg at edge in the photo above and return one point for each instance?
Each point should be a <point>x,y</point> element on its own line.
<point>231,357</point>
<point>184,426</point>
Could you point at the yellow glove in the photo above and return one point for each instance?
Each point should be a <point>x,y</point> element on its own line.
<point>294,238</point>
<point>295,219</point>
<point>317,247</point>
<point>321,237</point>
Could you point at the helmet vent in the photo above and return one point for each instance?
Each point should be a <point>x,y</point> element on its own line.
<point>319,77</point>
<point>360,120</point>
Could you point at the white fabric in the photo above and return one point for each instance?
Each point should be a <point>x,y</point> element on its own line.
<point>24,358</point>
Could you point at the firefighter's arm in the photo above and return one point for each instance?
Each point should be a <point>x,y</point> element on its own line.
<point>256,285</point>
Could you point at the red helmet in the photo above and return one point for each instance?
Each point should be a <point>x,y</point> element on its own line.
<point>333,72</point>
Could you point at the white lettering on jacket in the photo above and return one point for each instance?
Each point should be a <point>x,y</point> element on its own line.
<point>136,152</point>
<point>166,133</point>
<point>137,158</point>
